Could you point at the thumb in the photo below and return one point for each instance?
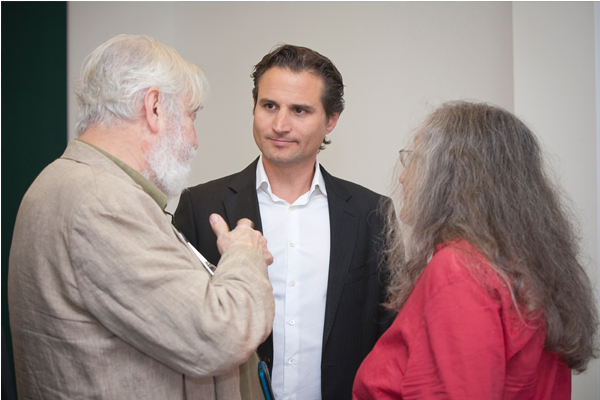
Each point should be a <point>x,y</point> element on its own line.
<point>218,224</point>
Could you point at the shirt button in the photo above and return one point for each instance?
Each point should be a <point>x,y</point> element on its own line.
<point>293,244</point>
<point>292,322</point>
<point>292,208</point>
<point>290,360</point>
<point>293,283</point>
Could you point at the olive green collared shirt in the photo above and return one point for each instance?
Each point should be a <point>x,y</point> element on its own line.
<point>159,197</point>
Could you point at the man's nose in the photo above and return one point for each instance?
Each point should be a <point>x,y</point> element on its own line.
<point>281,122</point>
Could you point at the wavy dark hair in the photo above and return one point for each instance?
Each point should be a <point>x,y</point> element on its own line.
<point>476,174</point>
<point>300,59</point>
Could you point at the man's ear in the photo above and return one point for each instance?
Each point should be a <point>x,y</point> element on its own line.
<point>331,122</point>
<point>152,108</point>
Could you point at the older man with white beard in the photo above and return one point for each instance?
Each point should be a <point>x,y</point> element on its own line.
<point>106,298</point>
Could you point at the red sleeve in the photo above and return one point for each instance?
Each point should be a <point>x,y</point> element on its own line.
<point>459,352</point>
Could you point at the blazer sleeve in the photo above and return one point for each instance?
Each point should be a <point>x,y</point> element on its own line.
<point>142,283</point>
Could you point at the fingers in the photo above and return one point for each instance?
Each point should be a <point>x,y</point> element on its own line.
<point>218,224</point>
<point>242,234</point>
<point>269,258</point>
<point>265,251</point>
<point>245,221</point>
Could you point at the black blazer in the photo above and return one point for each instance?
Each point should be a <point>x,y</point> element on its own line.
<point>354,317</point>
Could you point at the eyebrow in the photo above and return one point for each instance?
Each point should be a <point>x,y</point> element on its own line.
<point>306,107</point>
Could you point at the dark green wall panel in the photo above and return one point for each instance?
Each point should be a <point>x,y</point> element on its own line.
<point>34,107</point>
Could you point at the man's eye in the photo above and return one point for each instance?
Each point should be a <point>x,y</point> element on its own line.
<point>269,106</point>
<point>298,110</point>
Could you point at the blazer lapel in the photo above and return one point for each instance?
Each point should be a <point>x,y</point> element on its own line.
<point>243,202</point>
<point>344,219</point>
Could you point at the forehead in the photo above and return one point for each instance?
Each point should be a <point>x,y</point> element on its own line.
<point>282,84</point>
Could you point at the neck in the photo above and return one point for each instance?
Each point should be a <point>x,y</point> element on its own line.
<point>289,183</point>
<point>123,140</point>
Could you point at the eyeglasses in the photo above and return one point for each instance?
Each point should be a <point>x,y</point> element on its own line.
<point>405,157</point>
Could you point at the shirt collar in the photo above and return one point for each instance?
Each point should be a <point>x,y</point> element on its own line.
<point>262,180</point>
<point>157,195</point>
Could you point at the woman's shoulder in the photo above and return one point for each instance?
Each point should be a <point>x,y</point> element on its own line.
<point>461,263</point>
<point>458,258</point>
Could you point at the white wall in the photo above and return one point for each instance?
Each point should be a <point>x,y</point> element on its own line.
<point>394,57</point>
<point>555,93</point>
<point>398,59</point>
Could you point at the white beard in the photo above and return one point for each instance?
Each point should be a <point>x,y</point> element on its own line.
<point>169,161</point>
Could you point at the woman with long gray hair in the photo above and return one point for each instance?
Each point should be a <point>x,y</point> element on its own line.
<point>493,301</point>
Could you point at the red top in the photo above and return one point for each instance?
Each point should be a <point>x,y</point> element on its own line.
<point>459,337</point>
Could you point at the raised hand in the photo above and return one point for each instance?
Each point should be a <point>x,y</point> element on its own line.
<point>242,234</point>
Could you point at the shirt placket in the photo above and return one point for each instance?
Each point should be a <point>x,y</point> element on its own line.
<point>293,302</point>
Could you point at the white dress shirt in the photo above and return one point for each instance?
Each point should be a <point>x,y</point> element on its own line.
<point>298,236</point>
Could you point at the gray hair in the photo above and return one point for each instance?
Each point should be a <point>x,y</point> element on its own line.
<point>477,174</point>
<point>119,72</point>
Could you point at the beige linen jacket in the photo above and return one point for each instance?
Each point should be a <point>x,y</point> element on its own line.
<point>107,302</point>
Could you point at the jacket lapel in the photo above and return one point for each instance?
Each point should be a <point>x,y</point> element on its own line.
<point>344,219</point>
<point>242,201</point>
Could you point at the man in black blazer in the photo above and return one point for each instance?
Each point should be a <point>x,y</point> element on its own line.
<point>298,97</point>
